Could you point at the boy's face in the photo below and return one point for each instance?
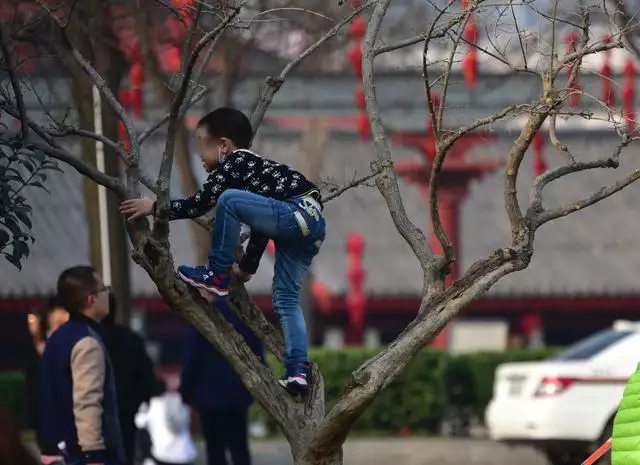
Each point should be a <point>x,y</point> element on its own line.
<point>212,149</point>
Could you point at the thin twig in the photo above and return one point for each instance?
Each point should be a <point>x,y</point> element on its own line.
<point>273,84</point>
<point>8,52</point>
<point>351,185</point>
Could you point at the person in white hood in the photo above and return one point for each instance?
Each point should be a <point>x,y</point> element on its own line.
<point>167,419</point>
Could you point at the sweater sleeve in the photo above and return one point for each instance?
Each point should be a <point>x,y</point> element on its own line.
<point>88,371</point>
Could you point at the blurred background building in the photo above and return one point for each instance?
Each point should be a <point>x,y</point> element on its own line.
<point>366,283</point>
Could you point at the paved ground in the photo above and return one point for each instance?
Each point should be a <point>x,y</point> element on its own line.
<point>411,451</point>
<point>406,451</point>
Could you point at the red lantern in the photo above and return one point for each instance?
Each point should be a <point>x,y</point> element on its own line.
<point>123,137</point>
<point>357,28</point>
<point>629,96</point>
<point>124,97</point>
<point>470,60</point>
<point>608,94</point>
<point>470,67</point>
<point>355,58</point>
<point>136,80</point>
<point>539,163</point>
<point>364,130</point>
<point>356,298</point>
<point>575,89</point>
<point>356,3</point>
<point>470,33</point>
<point>360,99</point>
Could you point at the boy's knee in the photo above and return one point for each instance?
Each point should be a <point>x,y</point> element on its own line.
<point>227,197</point>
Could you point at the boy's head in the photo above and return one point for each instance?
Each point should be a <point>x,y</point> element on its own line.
<point>219,133</point>
<point>81,291</point>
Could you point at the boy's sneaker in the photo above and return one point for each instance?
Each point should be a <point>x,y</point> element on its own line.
<point>297,381</point>
<point>204,278</point>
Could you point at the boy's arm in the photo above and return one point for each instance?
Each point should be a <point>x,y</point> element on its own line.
<point>253,254</point>
<point>202,201</point>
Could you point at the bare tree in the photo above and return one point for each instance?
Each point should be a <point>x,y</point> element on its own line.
<point>315,436</point>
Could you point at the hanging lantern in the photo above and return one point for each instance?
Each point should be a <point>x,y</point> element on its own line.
<point>356,299</point>
<point>470,33</point>
<point>608,94</point>
<point>124,97</point>
<point>360,99</point>
<point>355,58</point>
<point>470,60</point>
<point>136,81</point>
<point>539,163</point>
<point>470,67</point>
<point>363,127</point>
<point>357,28</point>
<point>575,89</point>
<point>629,96</point>
<point>123,137</point>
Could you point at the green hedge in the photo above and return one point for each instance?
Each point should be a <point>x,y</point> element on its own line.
<point>12,394</point>
<point>419,398</point>
<point>432,383</point>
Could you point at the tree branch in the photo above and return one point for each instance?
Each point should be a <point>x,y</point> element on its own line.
<point>7,51</point>
<point>421,37</point>
<point>537,216</point>
<point>386,180</point>
<point>178,106</point>
<point>81,167</point>
<point>133,172</point>
<point>436,168</point>
<point>622,19</point>
<point>273,84</point>
<point>378,372</point>
<point>355,183</point>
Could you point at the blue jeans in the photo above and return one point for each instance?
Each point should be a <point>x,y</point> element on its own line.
<point>295,250</point>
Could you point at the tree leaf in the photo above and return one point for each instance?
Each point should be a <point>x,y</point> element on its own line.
<point>20,249</point>
<point>28,165</point>
<point>12,226</point>
<point>4,238</point>
<point>40,185</point>
<point>24,217</point>
<point>14,261</point>
<point>39,156</point>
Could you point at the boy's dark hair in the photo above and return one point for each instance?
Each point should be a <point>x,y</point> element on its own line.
<point>230,123</point>
<point>74,286</point>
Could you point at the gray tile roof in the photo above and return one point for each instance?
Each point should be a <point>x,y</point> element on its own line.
<point>590,252</point>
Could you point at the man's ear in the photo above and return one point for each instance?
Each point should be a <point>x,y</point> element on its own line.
<point>91,301</point>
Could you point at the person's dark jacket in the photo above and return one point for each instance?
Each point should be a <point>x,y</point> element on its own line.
<point>135,379</point>
<point>77,395</point>
<point>208,381</point>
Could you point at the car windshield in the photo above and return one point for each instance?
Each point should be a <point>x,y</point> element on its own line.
<point>591,346</point>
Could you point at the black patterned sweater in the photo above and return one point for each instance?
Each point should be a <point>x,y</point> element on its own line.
<point>245,170</point>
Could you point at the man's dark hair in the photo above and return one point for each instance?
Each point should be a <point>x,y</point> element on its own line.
<point>75,285</point>
<point>230,123</point>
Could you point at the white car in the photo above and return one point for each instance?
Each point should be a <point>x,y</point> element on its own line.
<point>565,405</point>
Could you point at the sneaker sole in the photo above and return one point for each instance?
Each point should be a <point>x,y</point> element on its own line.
<point>214,290</point>
<point>294,389</point>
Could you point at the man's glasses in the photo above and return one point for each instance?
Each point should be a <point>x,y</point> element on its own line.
<point>106,289</point>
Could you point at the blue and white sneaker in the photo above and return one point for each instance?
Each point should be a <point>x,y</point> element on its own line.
<point>297,381</point>
<point>204,278</point>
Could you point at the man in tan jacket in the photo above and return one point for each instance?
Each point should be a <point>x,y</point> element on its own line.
<point>78,409</point>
